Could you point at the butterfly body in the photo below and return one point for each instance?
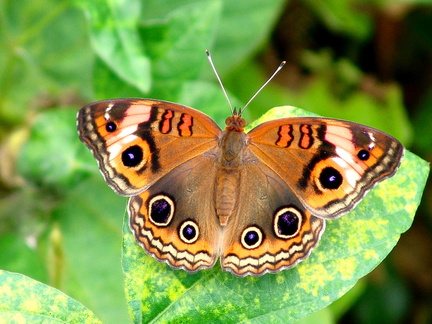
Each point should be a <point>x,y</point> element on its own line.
<point>256,200</point>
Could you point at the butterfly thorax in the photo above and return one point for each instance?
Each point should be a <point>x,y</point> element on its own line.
<point>232,141</point>
<point>232,145</point>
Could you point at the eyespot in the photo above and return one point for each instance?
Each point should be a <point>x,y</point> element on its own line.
<point>189,232</point>
<point>132,156</point>
<point>251,237</point>
<point>287,222</point>
<point>161,210</point>
<point>330,178</point>
<point>110,127</point>
<point>363,155</point>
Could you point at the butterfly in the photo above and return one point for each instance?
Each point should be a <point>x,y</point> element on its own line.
<point>258,201</point>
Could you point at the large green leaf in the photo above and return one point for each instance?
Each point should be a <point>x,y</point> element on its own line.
<point>24,300</point>
<point>84,258</point>
<point>89,222</point>
<point>43,53</point>
<point>233,29</point>
<point>154,46</point>
<point>48,159</point>
<point>343,17</point>
<point>115,38</point>
<point>176,42</point>
<point>351,247</point>
<point>16,255</point>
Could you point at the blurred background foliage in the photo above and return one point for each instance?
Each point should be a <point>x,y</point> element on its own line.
<point>365,61</point>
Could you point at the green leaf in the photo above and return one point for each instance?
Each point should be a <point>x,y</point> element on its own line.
<point>232,29</point>
<point>343,17</point>
<point>324,316</point>
<point>115,38</point>
<point>240,35</point>
<point>176,43</point>
<point>17,256</point>
<point>351,247</point>
<point>89,220</point>
<point>44,55</point>
<point>171,38</point>
<point>24,300</point>
<point>49,156</point>
<point>87,252</point>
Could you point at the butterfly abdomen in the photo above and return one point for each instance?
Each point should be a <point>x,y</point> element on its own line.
<point>226,193</point>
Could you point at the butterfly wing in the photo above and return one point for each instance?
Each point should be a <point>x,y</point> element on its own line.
<point>270,229</point>
<point>175,220</point>
<point>329,164</point>
<point>137,141</point>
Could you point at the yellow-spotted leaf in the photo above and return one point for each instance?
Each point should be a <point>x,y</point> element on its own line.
<point>24,300</point>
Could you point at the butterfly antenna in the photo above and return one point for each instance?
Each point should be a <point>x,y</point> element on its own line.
<point>219,79</point>
<point>262,87</point>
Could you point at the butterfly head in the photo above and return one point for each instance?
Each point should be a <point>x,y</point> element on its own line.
<point>235,122</point>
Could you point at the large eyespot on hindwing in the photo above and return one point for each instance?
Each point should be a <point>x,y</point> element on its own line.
<point>251,237</point>
<point>161,210</point>
<point>287,222</point>
<point>189,231</point>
